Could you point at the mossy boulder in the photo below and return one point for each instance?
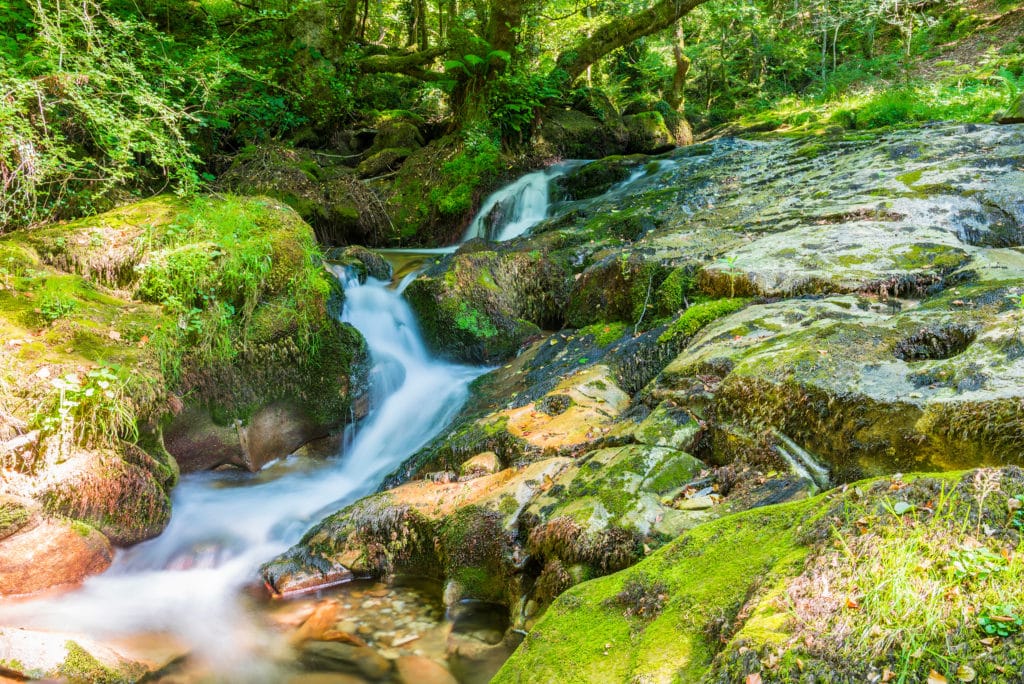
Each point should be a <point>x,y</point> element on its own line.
<point>857,386</point>
<point>481,306</point>
<point>50,553</point>
<point>1015,113</point>
<point>223,301</point>
<point>573,134</point>
<point>341,208</point>
<point>595,178</point>
<point>742,598</point>
<point>648,133</point>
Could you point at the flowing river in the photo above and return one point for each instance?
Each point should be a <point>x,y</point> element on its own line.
<point>186,587</point>
<point>186,584</point>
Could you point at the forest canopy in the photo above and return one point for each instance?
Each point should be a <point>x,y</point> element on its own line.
<point>108,98</point>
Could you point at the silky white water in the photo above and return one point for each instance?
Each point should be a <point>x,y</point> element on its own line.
<point>517,207</point>
<point>186,582</point>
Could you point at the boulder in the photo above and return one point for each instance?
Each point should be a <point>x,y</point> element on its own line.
<point>648,133</point>
<point>572,134</point>
<point>482,305</point>
<point>340,208</point>
<point>50,554</point>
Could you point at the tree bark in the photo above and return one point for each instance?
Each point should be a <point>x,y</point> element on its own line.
<point>622,31</point>
<point>676,96</point>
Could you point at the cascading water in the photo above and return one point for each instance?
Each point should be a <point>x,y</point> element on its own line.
<point>517,207</point>
<point>185,583</point>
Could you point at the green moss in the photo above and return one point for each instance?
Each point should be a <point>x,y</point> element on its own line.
<point>810,150</point>
<point>474,322</point>
<point>81,667</point>
<point>587,636</point>
<point>13,517</point>
<point>699,315</point>
<point>605,333</point>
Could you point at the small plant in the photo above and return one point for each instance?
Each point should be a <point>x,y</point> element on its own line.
<point>1001,621</point>
<point>93,410</point>
<point>978,563</point>
<point>732,270</point>
<point>53,306</point>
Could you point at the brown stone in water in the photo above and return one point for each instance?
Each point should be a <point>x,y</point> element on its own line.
<point>343,637</point>
<point>413,669</point>
<point>324,615</point>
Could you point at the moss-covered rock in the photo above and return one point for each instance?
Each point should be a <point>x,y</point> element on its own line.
<point>223,301</point>
<point>860,387</point>
<point>341,208</point>
<point>595,178</point>
<point>573,134</point>
<point>648,133</point>
<point>745,597</point>
<point>483,305</point>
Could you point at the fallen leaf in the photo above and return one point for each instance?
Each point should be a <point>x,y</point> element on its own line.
<point>887,675</point>
<point>966,673</point>
<point>753,678</point>
<point>852,604</point>
<point>935,678</point>
<point>902,507</point>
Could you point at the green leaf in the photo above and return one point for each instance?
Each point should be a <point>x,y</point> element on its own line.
<point>473,60</point>
<point>902,507</point>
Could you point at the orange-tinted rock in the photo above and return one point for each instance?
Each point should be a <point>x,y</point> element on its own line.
<point>51,554</point>
<point>486,463</point>
<point>413,669</point>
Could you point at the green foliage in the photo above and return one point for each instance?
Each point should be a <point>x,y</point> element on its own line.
<point>1001,621</point>
<point>89,409</point>
<point>54,305</point>
<point>514,99</point>
<point>68,140</point>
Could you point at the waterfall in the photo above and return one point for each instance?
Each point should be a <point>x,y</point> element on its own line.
<point>517,207</point>
<point>185,584</point>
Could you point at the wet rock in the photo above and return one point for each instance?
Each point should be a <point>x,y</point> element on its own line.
<point>338,657</point>
<point>595,178</point>
<point>365,262</point>
<point>481,306</point>
<point>63,656</point>
<point>51,554</point>
<point>420,670</point>
<point>474,662</point>
<point>323,618</point>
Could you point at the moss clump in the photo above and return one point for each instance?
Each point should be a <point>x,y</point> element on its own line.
<point>699,315</point>
<point>82,667</point>
<point>605,333</point>
<point>13,516</point>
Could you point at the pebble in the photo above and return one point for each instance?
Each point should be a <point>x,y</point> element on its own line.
<point>419,670</point>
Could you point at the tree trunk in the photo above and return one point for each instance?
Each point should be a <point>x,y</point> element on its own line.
<point>622,31</point>
<point>676,96</point>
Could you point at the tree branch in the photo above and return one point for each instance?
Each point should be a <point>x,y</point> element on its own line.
<point>409,63</point>
<point>622,31</point>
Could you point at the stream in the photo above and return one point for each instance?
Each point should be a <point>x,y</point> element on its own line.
<point>185,588</point>
<point>184,591</point>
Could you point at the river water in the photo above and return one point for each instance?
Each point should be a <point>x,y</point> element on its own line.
<point>186,586</point>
